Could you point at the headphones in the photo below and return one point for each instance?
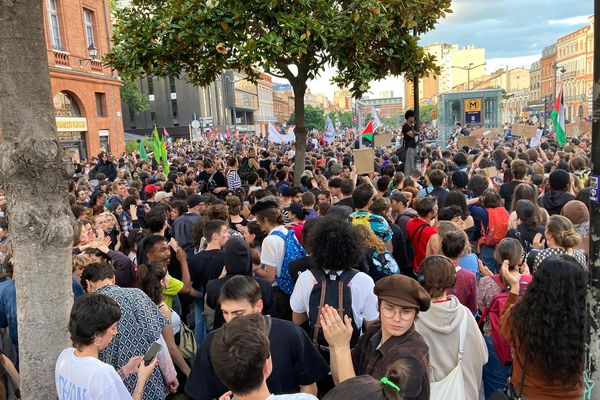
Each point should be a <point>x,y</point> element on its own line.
<point>421,275</point>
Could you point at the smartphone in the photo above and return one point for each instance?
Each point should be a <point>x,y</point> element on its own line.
<point>151,353</point>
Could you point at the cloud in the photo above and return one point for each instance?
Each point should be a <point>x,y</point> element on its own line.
<point>582,19</point>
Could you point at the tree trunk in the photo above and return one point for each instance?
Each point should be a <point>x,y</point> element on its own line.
<point>592,360</point>
<point>300,130</point>
<point>34,174</point>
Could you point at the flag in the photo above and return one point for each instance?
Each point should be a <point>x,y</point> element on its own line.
<point>227,134</point>
<point>290,131</point>
<point>156,146</point>
<point>558,119</point>
<point>236,134</point>
<point>277,137</point>
<point>143,154</point>
<point>329,132</point>
<point>163,154</point>
<point>375,117</point>
<point>165,132</point>
<point>367,133</point>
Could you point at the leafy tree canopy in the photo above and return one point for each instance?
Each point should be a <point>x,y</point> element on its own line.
<point>132,95</point>
<point>314,118</point>
<point>342,119</point>
<point>425,112</point>
<point>364,39</point>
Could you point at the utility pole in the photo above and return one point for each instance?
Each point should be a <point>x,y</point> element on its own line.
<point>416,94</point>
<point>592,349</point>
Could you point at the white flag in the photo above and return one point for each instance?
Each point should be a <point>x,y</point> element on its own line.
<point>278,138</point>
<point>376,120</point>
<point>329,132</point>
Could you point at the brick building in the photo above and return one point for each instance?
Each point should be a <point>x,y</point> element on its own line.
<point>86,93</point>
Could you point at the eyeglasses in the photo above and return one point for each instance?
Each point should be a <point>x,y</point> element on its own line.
<point>390,311</point>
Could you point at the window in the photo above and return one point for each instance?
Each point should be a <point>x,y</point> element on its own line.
<point>175,112</point>
<point>54,26</point>
<point>150,85</point>
<point>131,117</point>
<point>101,104</point>
<point>153,117</point>
<point>65,105</point>
<point>88,21</point>
<point>172,85</point>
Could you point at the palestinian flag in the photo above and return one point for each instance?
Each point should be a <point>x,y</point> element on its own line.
<point>367,133</point>
<point>558,119</point>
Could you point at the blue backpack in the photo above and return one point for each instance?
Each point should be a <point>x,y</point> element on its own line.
<point>293,252</point>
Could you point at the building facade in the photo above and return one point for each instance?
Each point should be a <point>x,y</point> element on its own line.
<point>547,72</point>
<point>229,103</point>
<point>86,94</point>
<point>461,65</point>
<point>386,107</point>
<point>265,104</point>
<point>574,53</point>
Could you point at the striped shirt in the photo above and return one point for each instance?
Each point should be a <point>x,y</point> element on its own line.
<point>233,180</point>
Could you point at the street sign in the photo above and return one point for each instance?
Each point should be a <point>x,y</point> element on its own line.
<point>195,124</point>
<point>472,111</point>
<point>354,119</point>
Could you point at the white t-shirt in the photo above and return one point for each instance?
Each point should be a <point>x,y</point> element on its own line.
<point>364,301</point>
<point>87,378</point>
<point>272,252</point>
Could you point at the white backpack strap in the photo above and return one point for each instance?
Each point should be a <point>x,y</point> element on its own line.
<point>463,334</point>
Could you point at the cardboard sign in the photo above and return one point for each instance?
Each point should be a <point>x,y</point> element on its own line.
<point>364,160</point>
<point>469,141</point>
<point>523,130</point>
<point>577,129</point>
<point>491,172</point>
<point>383,140</point>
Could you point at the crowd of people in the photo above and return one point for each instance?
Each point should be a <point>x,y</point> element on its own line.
<point>448,273</point>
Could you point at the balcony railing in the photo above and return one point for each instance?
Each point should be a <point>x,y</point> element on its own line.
<point>61,58</point>
<point>96,65</point>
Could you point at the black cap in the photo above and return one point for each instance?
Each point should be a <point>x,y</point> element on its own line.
<point>262,206</point>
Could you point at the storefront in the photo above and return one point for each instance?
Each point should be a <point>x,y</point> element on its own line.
<point>71,125</point>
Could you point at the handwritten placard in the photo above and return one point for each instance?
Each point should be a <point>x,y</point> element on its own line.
<point>383,140</point>
<point>363,160</point>
<point>523,130</point>
<point>468,141</point>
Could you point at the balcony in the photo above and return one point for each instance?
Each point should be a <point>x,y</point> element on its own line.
<point>96,66</point>
<point>61,58</point>
<point>578,98</point>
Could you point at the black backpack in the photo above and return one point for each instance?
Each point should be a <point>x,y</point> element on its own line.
<point>245,169</point>
<point>331,289</point>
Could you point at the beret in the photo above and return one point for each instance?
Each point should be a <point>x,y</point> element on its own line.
<point>402,291</point>
<point>262,206</point>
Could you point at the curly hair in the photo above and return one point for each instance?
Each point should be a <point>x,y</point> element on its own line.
<point>334,244</point>
<point>369,239</point>
<point>548,323</point>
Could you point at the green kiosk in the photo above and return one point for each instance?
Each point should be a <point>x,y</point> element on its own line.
<point>474,109</point>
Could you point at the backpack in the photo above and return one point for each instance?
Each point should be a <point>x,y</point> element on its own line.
<point>334,291</point>
<point>384,264</point>
<point>493,313</point>
<point>362,219</point>
<point>497,227</point>
<point>581,178</point>
<point>410,249</point>
<point>245,169</point>
<point>187,342</point>
<point>293,251</point>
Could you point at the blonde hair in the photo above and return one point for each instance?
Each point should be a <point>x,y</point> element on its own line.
<point>369,238</point>
<point>563,232</point>
<point>446,227</point>
<point>80,261</point>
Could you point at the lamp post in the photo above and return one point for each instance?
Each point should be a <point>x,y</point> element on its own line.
<point>92,54</point>
<point>468,68</point>
<point>562,71</point>
<point>233,82</point>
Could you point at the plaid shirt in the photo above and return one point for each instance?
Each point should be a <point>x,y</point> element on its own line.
<point>371,359</point>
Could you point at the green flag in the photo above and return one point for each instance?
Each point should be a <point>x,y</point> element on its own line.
<point>143,154</point>
<point>163,154</point>
<point>157,148</point>
<point>558,119</point>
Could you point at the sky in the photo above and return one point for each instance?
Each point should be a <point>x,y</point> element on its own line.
<point>512,34</point>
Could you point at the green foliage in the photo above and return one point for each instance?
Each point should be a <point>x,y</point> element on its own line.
<point>425,112</point>
<point>393,121</point>
<point>314,118</point>
<point>131,95</point>
<point>134,145</point>
<point>364,39</point>
<point>344,119</point>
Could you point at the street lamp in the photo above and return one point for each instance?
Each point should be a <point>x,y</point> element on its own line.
<point>92,53</point>
<point>468,68</point>
<point>562,71</point>
<point>233,82</point>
